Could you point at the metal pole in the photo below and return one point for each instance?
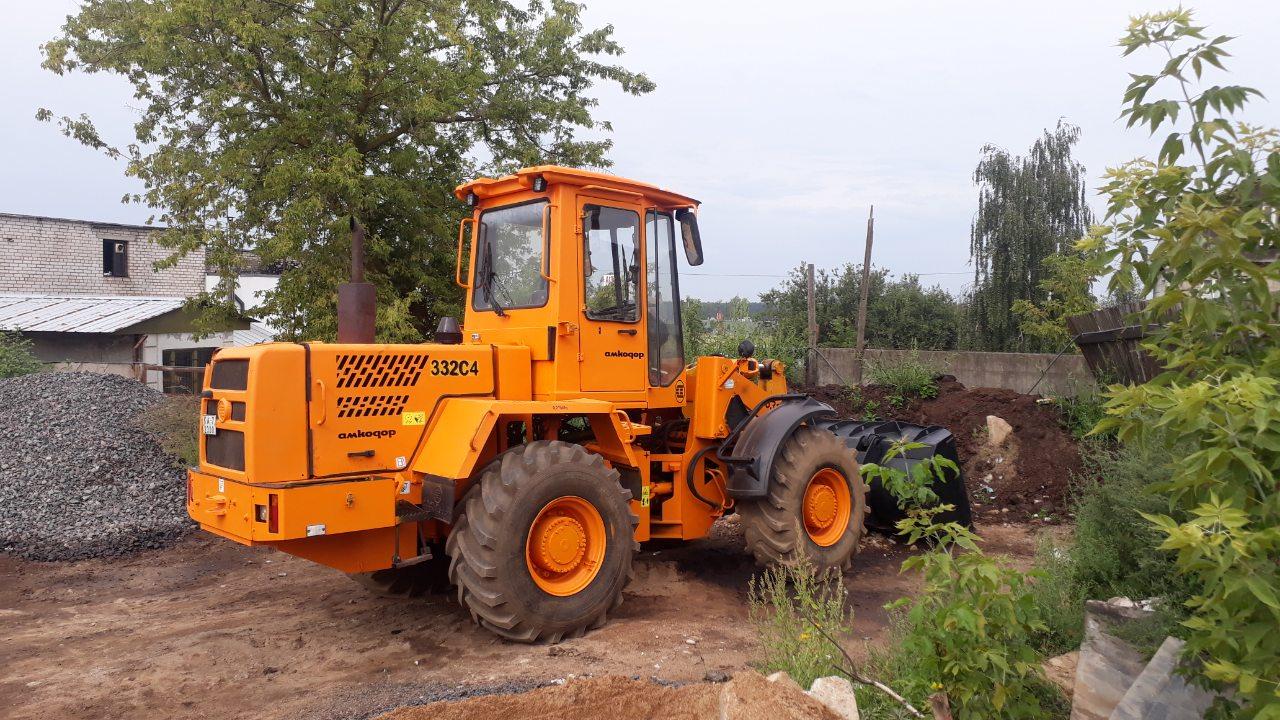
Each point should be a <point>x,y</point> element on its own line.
<point>862,301</point>
<point>357,300</point>
<point>810,367</point>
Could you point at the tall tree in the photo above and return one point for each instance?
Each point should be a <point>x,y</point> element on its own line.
<point>266,124</point>
<point>901,313</point>
<point>1029,207</point>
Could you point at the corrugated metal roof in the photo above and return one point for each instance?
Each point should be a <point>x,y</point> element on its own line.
<point>80,313</point>
<point>257,333</point>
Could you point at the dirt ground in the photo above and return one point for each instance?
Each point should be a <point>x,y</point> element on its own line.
<point>212,628</point>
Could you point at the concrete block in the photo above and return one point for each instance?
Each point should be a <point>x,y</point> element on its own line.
<point>1108,665</point>
<point>1159,693</point>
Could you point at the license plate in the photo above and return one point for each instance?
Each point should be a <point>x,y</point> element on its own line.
<point>208,423</point>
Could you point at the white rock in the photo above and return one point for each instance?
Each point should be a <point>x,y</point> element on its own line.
<point>837,694</point>
<point>998,430</point>
<point>783,678</point>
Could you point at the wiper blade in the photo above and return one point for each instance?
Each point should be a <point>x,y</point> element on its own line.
<point>489,279</point>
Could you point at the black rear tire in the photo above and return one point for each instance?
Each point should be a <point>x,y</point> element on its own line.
<point>774,525</point>
<point>487,548</point>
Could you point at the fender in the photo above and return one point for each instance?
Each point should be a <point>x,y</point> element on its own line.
<point>757,447</point>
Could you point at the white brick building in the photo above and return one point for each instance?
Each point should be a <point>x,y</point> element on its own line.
<point>88,296</point>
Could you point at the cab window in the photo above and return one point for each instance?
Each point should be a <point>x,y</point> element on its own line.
<point>666,341</point>
<point>611,266</point>
<point>509,253</point>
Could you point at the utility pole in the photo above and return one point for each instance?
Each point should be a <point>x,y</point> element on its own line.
<point>811,367</point>
<point>862,301</point>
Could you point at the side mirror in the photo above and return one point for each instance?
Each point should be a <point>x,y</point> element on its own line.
<point>689,234</point>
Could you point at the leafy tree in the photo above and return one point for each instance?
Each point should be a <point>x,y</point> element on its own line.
<point>1198,229</point>
<point>1066,286</point>
<point>901,313</point>
<point>1029,208</point>
<point>694,321</point>
<point>266,124</point>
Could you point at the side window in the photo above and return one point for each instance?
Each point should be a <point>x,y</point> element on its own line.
<point>666,341</point>
<point>611,266</point>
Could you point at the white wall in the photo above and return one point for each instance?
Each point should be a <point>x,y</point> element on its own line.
<point>249,288</point>
<point>155,345</point>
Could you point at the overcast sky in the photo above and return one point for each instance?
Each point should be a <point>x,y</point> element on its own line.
<point>787,120</point>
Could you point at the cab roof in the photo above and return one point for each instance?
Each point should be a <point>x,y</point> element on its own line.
<point>523,180</point>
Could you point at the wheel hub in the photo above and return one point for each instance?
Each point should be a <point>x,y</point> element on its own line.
<point>566,546</point>
<point>820,507</point>
<point>562,544</point>
<point>826,507</point>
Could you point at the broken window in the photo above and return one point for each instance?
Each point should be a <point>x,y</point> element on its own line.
<point>115,258</point>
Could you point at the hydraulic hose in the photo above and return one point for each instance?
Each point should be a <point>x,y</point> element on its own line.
<point>688,474</point>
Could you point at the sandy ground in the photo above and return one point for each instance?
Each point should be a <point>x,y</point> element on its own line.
<point>209,628</point>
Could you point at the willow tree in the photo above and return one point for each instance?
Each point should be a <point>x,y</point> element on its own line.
<point>1029,208</point>
<point>265,124</point>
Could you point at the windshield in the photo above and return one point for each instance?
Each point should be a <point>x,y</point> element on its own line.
<point>509,258</point>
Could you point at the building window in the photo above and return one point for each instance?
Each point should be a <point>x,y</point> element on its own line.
<point>187,382</point>
<point>115,258</point>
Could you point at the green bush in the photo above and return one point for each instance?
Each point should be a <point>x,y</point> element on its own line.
<point>1081,412</point>
<point>785,602</point>
<point>1114,550</point>
<point>908,376</point>
<point>892,664</point>
<point>970,632</point>
<point>16,357</point>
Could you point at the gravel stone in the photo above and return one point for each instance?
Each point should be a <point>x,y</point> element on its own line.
<point>78,477</point>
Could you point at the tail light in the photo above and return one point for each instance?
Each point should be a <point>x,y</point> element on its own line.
<point>273,513</point>
<point>190,492</point>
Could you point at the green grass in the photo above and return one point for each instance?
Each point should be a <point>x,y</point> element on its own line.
<point>174,423</point>
<point>908,376</point>
<point>784,603</point>
<point>1113,551</point>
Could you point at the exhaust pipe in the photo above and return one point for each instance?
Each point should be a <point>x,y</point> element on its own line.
<point>357,301</point>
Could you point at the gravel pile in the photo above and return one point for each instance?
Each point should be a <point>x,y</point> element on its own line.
<point>78,477</point>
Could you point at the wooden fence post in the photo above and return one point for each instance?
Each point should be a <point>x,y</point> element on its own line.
<point>862,301</point>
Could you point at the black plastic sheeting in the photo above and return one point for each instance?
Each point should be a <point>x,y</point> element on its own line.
<point>871,440</point>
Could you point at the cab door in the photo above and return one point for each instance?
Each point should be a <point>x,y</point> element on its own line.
<point>612,345</point>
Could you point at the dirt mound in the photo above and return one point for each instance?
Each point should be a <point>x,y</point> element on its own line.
<point>747,697</point>
<point>1029,478</point>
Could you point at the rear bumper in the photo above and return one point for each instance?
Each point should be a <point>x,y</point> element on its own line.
<point>260,513</point>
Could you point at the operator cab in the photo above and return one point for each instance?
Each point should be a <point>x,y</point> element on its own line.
<point>580,267</point>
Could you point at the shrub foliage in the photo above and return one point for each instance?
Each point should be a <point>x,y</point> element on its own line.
<point>1199,230</point>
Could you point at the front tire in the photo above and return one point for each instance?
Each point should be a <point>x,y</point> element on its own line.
<point>815,508</point>
<point>543,545</point>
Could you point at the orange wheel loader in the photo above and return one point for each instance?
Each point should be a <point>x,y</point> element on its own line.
<point>524,455</point>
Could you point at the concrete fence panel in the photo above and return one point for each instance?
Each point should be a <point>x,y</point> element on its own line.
<point>1068,375</point>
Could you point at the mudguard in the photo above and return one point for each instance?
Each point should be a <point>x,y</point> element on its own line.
<point>753,453</point>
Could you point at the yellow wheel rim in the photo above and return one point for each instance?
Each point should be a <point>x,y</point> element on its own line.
<point>827,507</point>
<point>566,546</point>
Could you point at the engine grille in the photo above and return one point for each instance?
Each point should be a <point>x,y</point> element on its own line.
<point>391,370</point>
<point>226,449</point>
<point>356,406</point>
